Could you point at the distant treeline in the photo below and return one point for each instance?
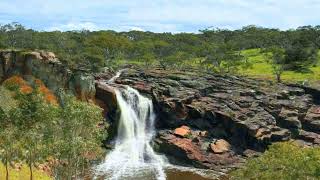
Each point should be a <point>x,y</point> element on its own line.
<point>217,49</point>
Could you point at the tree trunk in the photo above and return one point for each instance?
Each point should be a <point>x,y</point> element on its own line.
<point>30,165</point>
<point>7,170</point>
<point>278,76</point>
<point>76,169</point>
<point>30,168</point>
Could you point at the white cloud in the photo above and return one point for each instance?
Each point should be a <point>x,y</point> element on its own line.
<point>136,29</point>
<point>129,28</point>
<point>159,15</point>
<point>74,26</point>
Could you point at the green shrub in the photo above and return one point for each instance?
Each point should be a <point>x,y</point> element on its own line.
<point>33,131</point>
<point>282,161</point>
<point>6,99</point>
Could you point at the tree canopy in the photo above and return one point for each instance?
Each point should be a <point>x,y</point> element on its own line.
<point>217,49</point>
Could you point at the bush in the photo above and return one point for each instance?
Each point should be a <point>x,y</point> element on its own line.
<point>79,137</point>
<point>282,161</point>
<point>36,130</point>
<point>6,99</point>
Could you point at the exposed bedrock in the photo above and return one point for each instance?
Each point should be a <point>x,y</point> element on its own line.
<point>46,66</point>
<point>215,121</point>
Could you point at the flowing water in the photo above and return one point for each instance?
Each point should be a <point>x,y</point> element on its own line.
<point>133,157</point>
<point>115,77</point>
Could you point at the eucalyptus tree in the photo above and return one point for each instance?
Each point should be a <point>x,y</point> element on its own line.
<point>80,130</point>
<point>162,50</point>
<point>31,119</point>
<point>9,144</point>
<point>9,139</point>
<point>220,57</point>
<point>277,60</point>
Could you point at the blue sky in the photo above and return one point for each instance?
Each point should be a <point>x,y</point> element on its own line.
<point>158,15</point>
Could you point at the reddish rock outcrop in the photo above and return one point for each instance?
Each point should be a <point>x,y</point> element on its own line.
<point>182,131</point>
<point>220,146</point>
<point>195,151</point>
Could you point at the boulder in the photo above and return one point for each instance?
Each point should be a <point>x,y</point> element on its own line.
<point>311,121</point>
<point>180,148</point>
<point>182,131</point>
<point>310,137</point>
<point>289,119</point>
<point>280,134</point>
<point>220,146</point>
<point>262,133</point>
<point>188,151</point>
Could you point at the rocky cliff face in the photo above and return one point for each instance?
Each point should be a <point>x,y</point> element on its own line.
<point>45,66</point>
<point>216,122</point>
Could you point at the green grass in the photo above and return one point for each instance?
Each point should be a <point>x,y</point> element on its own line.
<point>261,68</point>
<point>23,174</point>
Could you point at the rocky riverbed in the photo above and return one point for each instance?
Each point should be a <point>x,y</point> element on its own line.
<point>216,122</point>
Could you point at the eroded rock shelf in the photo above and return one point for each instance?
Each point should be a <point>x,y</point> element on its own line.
<point>214,121</point>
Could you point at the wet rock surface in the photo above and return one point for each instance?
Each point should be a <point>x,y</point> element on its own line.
<point>216,122</point>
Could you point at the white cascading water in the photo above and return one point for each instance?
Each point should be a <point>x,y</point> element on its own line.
<point>115,77</point>
<point>133,156</point>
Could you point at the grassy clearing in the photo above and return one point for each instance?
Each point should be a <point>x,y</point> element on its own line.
<point>261,68</point>
<point>23,174</point>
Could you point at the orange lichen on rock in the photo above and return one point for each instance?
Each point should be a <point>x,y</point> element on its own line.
<point>48,95</point>
<point>25,88</point>
<point>20,83</point>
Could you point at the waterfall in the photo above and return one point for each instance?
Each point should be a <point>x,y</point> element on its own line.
<point>133,156</point>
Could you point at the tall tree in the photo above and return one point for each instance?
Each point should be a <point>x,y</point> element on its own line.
<point>277,56</point>
<point>299,57</point>
<point>78,140</point>
<point>8,141</point>
<point>221,57</point>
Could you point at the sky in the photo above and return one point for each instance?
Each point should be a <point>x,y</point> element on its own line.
<point>158,15</point>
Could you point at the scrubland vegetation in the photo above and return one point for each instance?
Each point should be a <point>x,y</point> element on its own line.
<point>290,55</point>
<point>282,161</point>
<point>61,139</point>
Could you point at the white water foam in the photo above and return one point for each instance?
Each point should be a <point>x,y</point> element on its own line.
<point>118,74</point>
<point>133,156</point>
